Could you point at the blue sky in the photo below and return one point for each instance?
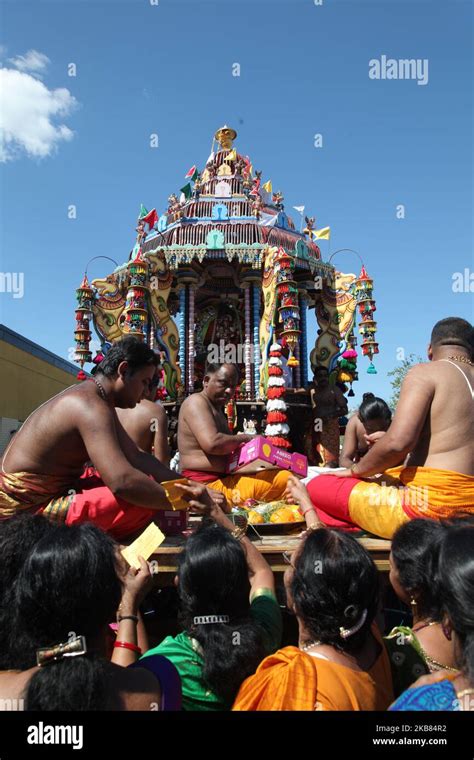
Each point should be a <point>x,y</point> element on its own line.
<point>167,69</point>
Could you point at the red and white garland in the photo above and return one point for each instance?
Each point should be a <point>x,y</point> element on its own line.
<point>277,429</point>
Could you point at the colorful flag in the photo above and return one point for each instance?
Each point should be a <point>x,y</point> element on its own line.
<point>151,218</point>
<point>299,209</point>
<point>192,174</point>
<point>323,234</point>
<point>143,211</point>
<point>268,186</point>
<point>187,191</point>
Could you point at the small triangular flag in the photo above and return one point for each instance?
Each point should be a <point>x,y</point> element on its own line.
<point>323,234</point>
<point>192,173</point>
<point>143,211</point>
<point>151,218</point>
<point>268,186</point>
<point>187,190</point>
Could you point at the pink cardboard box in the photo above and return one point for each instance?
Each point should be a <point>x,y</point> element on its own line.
<point>260,454</point>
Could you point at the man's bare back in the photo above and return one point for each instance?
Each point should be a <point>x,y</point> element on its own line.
<point>50,442</point>
<point>147,426</point>
<point>446,439</point>
<point>433,422</point>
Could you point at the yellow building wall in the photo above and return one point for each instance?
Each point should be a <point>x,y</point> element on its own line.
<point>26,381</point>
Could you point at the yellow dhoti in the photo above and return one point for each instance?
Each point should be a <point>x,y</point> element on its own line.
<point>266,485</point>
<point>400,494</point>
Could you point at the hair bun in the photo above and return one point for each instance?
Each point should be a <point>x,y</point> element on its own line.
<point>368,397</point>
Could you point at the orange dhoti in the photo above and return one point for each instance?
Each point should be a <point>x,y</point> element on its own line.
<point>400,494</point>
<point>266,485</point>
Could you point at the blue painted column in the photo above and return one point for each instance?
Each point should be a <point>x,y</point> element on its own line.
<point>304,338</point>
<point>256,290</point>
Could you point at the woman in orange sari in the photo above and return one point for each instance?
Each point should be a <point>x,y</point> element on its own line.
<point>340,662</point>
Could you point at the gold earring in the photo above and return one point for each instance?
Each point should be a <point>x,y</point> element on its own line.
<point>414,605</point>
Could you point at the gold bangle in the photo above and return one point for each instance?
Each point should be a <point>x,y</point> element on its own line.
<point>238,533</point>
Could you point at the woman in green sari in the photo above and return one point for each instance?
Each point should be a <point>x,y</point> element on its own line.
<point>229,612</point>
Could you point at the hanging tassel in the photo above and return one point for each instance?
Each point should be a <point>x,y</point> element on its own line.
<point>351,392</point>
<point>371,369</point>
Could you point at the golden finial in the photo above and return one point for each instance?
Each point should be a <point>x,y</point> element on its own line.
<point>224,136</point>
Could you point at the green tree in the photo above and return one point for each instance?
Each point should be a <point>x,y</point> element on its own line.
<point>398,375</point>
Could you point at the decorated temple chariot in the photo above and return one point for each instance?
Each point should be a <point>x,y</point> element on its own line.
<point>226,274</point>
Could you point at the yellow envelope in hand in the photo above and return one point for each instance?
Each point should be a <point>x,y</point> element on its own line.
<point>175,495</point>
<point>144,546</point>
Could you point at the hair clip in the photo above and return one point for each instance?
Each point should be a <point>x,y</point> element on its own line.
<point>72,648</point>
<point>346,633</point>
<point>206,619</point>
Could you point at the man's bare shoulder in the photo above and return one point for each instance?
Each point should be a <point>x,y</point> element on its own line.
<point>81,398</point>
<point>424,370</point>
<point>151,409</point>
<point>354,422</point>
<point>193,402</point>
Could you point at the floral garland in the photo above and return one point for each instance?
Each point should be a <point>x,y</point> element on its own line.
<point>277,428</point>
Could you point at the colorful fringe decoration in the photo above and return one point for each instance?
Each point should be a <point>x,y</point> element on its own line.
<point>289,310</point>
<point>368,327</point>
<point>82,333</point>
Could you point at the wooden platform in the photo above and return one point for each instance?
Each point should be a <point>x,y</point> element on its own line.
<point>272,546</point>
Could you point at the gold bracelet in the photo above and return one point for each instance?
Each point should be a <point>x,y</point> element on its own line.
<point>238,533</point>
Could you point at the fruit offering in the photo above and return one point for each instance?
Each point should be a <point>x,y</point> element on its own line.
<point>275,512</point>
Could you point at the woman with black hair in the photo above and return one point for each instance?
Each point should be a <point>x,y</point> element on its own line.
<point>454,583</point>
<point>67,592</point>
<point>229,613</point>
<point>340,662</point>
<point>365,428</point>
<point>423,648</point>
<point>18,536</point>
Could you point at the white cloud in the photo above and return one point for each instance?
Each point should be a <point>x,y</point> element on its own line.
<point>27,110</point>
<point>33,61</point>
